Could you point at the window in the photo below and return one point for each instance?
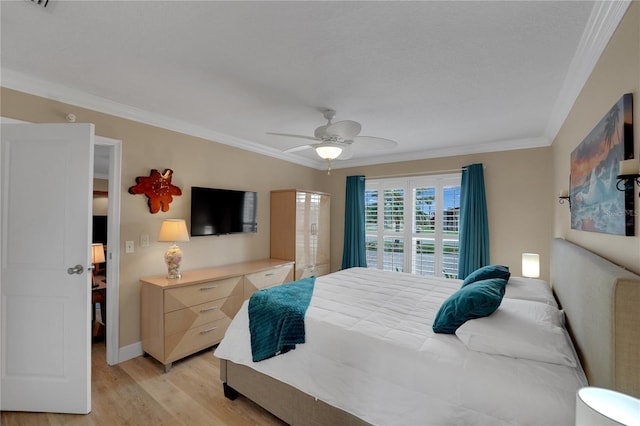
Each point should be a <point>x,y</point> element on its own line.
<point>412,224</point>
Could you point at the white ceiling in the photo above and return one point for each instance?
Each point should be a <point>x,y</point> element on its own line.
<point>439,77</point>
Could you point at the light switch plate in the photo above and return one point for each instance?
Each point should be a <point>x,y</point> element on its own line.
<point>144,240</point>
<point>128,247</point>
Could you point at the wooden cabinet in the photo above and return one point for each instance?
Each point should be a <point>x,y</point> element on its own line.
<point>300,230</point>
<point>183,316</point>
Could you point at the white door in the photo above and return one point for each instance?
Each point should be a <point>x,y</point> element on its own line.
<point>46,190</point>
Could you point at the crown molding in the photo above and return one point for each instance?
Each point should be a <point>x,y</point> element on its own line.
<point>603,21</point>
<point>24,83</point>
<point>64,94</point>
<point>480,148</point>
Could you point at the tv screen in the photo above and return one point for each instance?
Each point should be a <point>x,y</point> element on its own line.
<point>222,211</point>
<point>100,229</point>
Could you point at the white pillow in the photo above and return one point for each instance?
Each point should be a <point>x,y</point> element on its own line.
<point>521,329</point>
<point>530,289</point>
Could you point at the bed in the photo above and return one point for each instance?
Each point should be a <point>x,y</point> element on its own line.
<point>372,358</point>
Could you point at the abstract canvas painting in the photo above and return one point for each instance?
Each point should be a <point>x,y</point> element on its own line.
<point>596,203</point>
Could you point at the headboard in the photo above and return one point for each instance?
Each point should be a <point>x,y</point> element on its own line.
<point>602,305</point>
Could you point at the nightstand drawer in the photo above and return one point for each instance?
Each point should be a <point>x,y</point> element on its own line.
<point>184,319</point>
<point>183,297</point>
<point>181,344</point>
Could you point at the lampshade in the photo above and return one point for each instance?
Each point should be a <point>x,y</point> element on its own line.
<point>604,407</point>
<point>530,265</point>
<point>173,230</point>
<point>97,253</point>
<point>328,151</point>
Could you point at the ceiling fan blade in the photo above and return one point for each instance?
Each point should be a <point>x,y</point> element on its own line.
<point>347,152</point>
<point>345,129</point>
<point>371,142</point>
<point>321,132</point>
<point>294,136</point>
<point>298,148</point>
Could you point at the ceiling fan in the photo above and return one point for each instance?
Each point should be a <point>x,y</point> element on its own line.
<point>335,140</point>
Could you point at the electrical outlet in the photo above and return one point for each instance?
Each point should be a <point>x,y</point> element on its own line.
<point>128,247</point>
<point>144,240</point>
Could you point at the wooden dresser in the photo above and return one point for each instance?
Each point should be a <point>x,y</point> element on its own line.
<point>186,315</point>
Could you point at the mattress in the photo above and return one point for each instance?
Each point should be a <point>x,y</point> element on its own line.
<point>370,351</point>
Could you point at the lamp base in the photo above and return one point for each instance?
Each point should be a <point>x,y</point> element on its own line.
<point>173,257</point>
<point>94,281</point>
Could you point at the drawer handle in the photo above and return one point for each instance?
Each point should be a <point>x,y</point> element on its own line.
<point>269,274</point>
<point>208,330</point>
<point>209,309</point>
<point>211,287</point>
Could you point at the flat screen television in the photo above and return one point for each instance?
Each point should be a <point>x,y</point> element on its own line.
<point>99,229</point>
<point>223,211</point>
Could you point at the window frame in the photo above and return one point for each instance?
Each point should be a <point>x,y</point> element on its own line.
<point>409,234</point>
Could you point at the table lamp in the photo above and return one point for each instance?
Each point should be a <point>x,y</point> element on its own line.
<point>173,230</point>
<point>530,265</point>
<point>605,407</point>
<point>97,256</point>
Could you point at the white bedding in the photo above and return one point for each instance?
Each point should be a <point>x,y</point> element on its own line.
<point>371,352</point>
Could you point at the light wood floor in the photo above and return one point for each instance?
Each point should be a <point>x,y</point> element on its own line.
<point>138,392</point>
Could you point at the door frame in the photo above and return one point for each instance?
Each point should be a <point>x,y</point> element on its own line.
<point>113,248</point>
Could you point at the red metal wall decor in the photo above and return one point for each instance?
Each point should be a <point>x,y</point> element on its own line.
<point>158,188</point>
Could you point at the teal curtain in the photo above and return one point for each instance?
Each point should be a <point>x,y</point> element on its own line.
<point>474,223</point>
<point>354,250</point>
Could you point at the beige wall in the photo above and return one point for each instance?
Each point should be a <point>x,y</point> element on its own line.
<point>616,73</point>
<point>196,162</point>
<point>519,201</point>
<point>518,184</point>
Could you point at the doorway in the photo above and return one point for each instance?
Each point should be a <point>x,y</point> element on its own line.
<point>107,165</point>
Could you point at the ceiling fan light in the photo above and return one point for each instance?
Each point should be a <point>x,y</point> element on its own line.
<point>328,151</point>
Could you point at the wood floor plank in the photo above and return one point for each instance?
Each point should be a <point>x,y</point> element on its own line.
<point>138,392</point>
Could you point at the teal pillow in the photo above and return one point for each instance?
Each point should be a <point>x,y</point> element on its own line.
<point>474,301</point>
<point>486,272</point>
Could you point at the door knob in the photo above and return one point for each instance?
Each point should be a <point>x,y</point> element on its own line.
<point>78,269</point>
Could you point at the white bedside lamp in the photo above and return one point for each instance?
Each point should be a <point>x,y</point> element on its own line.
<point>530,265</point>
<point>604,407</point>
<point>173,230</point>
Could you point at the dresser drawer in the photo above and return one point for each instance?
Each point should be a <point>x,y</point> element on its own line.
<point>184,319</point>
<point>179,345</point>
<point>269,278</point>
<point>183,297</point>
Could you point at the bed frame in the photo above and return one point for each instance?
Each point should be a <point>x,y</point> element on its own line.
<point>601,302</point>
<point>602,306</point>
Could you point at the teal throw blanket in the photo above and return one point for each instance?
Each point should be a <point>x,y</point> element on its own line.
<point>276,317</point>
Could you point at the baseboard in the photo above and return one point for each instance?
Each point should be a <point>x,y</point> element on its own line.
<point>130,351</point>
